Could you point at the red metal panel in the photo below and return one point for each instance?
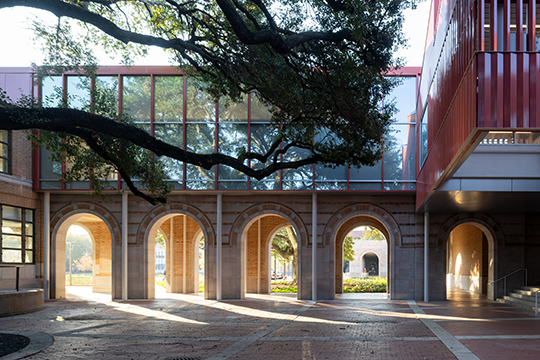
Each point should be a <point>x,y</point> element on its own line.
<point>480,28</point>
<point>531,23</point>
<point>493,26</point>
<point>533,69</point>
<point>512,101</point>
<point>519,25</point>
<point>499,65</point>
<point>506,25</point>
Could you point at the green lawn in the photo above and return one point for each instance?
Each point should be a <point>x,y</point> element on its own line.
<point>362,285</point>
<point>80,279</point>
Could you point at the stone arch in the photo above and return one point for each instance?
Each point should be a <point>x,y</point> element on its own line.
<point>253,212</point>
<point>179,209</point>
<point>491,230</point>
<point>372,215</point>
<point>350,217</point>
<point>59,226</point>
<point>88,208</point>
<point>238,235</point>
<point>478,219</point>
<point>161,214</point>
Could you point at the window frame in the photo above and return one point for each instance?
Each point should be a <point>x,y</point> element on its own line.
<point>24,236</point>
<point>8,157</point>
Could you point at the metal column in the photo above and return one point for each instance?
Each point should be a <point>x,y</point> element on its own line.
<point>314,248</point>
<point>426,256</point>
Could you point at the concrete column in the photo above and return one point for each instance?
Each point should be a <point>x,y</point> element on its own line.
<point>218,243</point>
<point>46,243</point>
<point>259,256</point>
<point>125,246</point>
<point>184,278</point>
<point>426,257</point>
<point>314,248</point>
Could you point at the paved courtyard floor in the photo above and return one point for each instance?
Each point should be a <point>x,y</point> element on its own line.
<point>280,327</point>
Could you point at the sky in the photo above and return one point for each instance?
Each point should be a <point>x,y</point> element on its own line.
<point>18,49</point>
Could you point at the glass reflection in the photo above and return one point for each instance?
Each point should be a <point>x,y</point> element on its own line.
<point>200,106</point>
<point>136,100</point>
<point>169,98</point>
<point>301,178</point>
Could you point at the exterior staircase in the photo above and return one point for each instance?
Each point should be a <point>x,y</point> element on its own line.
<point>522,297</point>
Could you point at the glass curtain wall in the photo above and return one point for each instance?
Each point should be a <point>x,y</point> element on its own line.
<point>176,110</point>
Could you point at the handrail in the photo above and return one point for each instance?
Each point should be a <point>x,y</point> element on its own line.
<point>507,275</point>
<point>536,305</point>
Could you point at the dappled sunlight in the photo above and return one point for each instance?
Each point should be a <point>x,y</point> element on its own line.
<point>161,315</point>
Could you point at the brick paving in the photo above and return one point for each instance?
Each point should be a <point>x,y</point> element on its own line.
<point>280,327</point>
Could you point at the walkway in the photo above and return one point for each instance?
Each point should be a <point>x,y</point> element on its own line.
<point>281,327</point>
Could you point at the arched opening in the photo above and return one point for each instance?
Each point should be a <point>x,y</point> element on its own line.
<point>82,257</point>
<point>270,253</point>
<point>181,236</point>
<point>371,245</point>
<point>469,253</point>
<point>160,261</point>
<point>370,263</point>
<point>199,264</point>
<point>365,260</point>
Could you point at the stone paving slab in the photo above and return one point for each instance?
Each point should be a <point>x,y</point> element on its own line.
<point>281,328</point>
<point>489,349</point>
<point>361,350</point>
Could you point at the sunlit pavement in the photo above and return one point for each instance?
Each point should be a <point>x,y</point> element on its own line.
<point>175,326</point>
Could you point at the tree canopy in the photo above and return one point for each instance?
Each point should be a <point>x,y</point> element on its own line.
<point>319,66</point>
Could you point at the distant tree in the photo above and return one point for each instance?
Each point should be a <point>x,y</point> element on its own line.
<point>284,244</point>
<point>370,233</point>
<point>348,251</point>
<point>85,263</point>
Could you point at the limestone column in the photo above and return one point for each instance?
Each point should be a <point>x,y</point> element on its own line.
<point>124,245</point>
<point>218,252</point>
<point>46,243</point>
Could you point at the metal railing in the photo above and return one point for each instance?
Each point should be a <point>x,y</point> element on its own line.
<point>536,304</point>
<point>507,275</point>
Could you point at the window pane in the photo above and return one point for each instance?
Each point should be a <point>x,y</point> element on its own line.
<point>4,150</point>
<point>10,212</point>
<point>233,111</point>
<point>29,228</point>
<point>11,241</point>
<point>174,169</point>
<point>366,172</point>
<point>301,178</point>
<point>3,165</point>
<point>29,242</point>
<point>106,96</point>
<point>78,91</point>
<point>11,256</point>
<point>327,178</point>
<point>29,257</point>
<point>49,170</point>
<point>396,146</point>
<point>11,227</point>
<point>52,91</point>
<point>404,98</point>
<point>169,98</point>
<point>365,185</point>
<point>200,138</point>
<point>169,133</point>
<point>232,138</point>
<point>259,112</point>
<point>29,216</point>
<point>4,136</point>
<point>199,178</point>
<point>262,137</point>
<point>200,106</point>
<point>136,96</point>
